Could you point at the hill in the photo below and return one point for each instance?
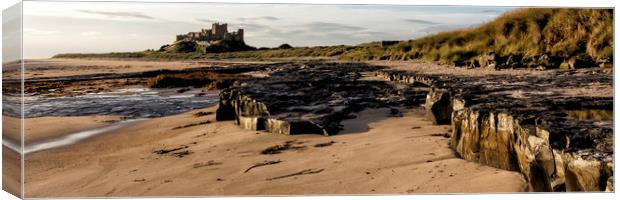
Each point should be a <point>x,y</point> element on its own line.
<point>216,47</point>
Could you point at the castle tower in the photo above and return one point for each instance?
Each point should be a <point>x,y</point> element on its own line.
<point>219,30</point>
<point>240,35</point>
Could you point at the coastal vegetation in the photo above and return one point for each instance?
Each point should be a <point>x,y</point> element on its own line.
<point>581,36</point>
<point>530,37</point>
<point>260,54</point>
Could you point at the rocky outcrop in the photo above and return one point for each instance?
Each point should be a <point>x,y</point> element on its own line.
<point>298,98</point>
<point>505,141</point>
<point>539,125</point>
<point>558,142</point>
<point>539,61</point>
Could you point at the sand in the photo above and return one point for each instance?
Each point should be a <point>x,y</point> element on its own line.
<point>11,128</point>
<point>41,128</point>
<point>11,174</point>
<point>37,129</point>
<point>375,154</point>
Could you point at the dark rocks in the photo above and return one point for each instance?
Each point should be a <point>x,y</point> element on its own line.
<point>202,113</point>
<point>300,98</point>
<point>544,126</point>
<point>326,144</point>
<point>558,141</point>
<point>438,109</point>
<point>604,63</point>
<point>488,61</point>
<point>395,112</point>
<point>438,101</point>
<point>493,60</point>
<point>387,43</point>
<point>577,62</point>
<point>513,61</point>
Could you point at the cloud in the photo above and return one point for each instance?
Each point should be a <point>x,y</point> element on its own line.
<point>272,18</point>
<point>268,18</point>
<point>327,26</point>
<point>252,26</point>
<point>205,20</point>
<point>418,21</point>
<point>312,32</point>
<point>284,32</point>
<point>137,15</point>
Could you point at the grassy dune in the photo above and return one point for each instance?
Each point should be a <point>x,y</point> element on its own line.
<point>528,37</point>
<point>560,34</point>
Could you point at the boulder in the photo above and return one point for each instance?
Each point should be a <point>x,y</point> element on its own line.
<point>584,175</point>
<point>488,60</point>
<point>438,106</point>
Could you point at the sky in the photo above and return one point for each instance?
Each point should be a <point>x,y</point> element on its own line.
<point>98,27</point>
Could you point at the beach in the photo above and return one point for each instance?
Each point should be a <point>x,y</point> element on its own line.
<point>376,154</point>
<point>358,100</point>
<point>129,139</point>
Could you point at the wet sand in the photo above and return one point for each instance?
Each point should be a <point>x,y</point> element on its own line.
<point>376,154</point>
<point>38,129</point>
<point>41,128</point>
<point>69,67</point>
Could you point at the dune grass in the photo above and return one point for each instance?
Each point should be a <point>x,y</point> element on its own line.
<point>562,33</point>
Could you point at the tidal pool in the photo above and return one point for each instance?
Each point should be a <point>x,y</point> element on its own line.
<point>135,104</point>
<point>132,103</point>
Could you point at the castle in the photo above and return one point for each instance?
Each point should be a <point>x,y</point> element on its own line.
<point>218,32</point>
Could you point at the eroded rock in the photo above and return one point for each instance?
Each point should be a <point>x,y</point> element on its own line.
<point>301,98</point>
<point>557,141</point>
<point>544,126</point>
<point>438,106</point>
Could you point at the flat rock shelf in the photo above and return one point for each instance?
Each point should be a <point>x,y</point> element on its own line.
<point>553,127</point>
